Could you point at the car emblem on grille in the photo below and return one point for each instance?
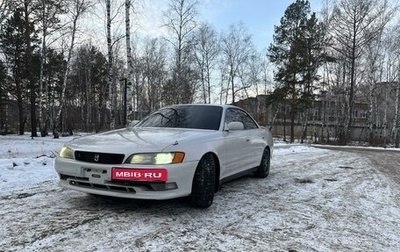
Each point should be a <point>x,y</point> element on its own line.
<point>96,157</point>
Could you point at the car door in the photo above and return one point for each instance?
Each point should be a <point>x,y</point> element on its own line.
<point>255,140</point>
<point>239,151</point>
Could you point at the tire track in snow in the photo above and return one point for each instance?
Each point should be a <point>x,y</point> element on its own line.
<point>316,204</point>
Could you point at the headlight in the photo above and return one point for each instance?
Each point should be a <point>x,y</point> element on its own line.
<point>156,158</point>
<point>67,153</point>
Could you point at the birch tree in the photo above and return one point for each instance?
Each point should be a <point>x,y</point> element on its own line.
<point>129,60</point>
<point>373,69</point>
<point>206,53</point>
<point>111,17</point>
<point>354,24</point>
<point>110,58</point>
<point>181,21</point>
<point>77,9</point>
<point>3,98</point>
<point>396,125</point>
<point>86,89</point>
<point>236,49</point>
<point>48,11</point>
<point>154,67</point>
<point>393,52</point>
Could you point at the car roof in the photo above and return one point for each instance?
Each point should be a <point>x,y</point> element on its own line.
<point>203,104</point>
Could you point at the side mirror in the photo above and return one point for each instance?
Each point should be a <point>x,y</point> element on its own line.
<point>235,126</point>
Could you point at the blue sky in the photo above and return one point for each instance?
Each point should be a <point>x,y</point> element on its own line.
<point>258,16</point>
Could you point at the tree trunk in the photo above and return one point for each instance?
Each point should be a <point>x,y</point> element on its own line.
<point>21,116</point>
<point>385,116</point>
<point>128,88</point>
<point>110,100</point>
<point>29,67</point>
<point>42,113</point>
<point>397,117</point>
<point>351,92</point>
<point>58,119</point>
<point>305,126</point>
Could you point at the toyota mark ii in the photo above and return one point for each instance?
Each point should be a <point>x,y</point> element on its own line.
<point>177,151</point>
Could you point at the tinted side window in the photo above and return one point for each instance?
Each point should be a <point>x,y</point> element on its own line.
<point>237,115</point>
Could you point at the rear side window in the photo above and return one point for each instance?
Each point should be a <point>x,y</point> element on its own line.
<point>238,115</point>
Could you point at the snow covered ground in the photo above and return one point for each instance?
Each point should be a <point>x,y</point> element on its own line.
<point>313,200</point>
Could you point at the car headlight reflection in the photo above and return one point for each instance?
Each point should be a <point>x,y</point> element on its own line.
<point>67,153</point>
<point>156,158</point>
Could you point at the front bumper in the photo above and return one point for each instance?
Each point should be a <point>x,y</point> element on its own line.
<point>96,179</point>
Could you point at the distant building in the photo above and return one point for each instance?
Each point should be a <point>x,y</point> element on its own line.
<point>324,115</point>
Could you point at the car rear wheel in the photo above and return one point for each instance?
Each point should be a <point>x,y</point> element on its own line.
<point>263,169</point>
<point>203,187</point>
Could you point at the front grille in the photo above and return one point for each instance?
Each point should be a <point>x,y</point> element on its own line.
<point>99,158</point>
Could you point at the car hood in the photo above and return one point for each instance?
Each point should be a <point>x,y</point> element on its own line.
<point>137,139</point>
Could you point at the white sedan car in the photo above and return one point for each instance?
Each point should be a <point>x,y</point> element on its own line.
<point>177,151</point>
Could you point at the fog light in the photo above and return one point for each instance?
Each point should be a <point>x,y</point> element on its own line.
<point>170,186</point>
<point>163,186</point>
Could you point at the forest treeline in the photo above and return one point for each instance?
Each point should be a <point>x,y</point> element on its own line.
<point>79,64</point>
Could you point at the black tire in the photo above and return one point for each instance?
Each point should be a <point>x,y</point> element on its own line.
<point>203,186</point>
<point>263,169</point>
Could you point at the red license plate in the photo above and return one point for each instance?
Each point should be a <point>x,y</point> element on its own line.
<point>149,175</point>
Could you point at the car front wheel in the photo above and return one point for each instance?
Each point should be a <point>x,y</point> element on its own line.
<point>263,169</point>
<point>203,187</point>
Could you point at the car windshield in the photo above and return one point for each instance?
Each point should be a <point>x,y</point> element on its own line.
<point>193,117</point>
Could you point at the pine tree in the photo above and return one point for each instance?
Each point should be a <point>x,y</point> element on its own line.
<point>295,52</point>
<point>14,48</point>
